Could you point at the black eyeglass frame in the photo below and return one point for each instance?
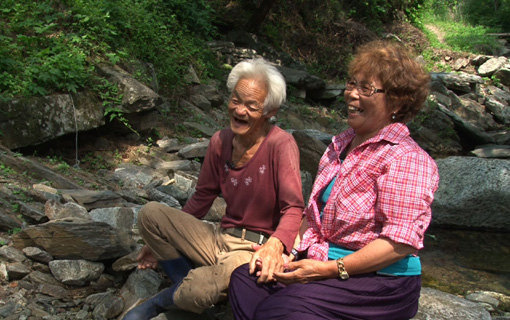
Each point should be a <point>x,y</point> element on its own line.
<point>351,84</point>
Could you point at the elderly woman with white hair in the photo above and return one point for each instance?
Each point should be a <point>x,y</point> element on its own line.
<point>254,165</point>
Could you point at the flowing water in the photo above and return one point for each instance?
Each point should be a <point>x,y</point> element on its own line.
<point>458,261</point>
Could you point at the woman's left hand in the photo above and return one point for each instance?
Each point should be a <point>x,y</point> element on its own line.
<point>303,271</point>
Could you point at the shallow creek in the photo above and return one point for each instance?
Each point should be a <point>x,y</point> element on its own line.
<point>458,261</point>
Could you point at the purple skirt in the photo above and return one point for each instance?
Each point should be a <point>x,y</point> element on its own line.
<point>367,296</point>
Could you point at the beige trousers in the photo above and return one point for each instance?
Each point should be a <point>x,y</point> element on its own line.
<point>168,232</point>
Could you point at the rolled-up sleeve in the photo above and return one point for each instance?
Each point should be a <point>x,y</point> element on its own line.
<point>405,192</point>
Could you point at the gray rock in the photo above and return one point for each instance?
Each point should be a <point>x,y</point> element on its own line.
<point>185,165</point>
<point>482,297</point>
<point>458,82</point>
<point>33,211</point>
<point>38,277</point>
<point>136,96</point>
<point>132,176</point>
<point>473,192</point>
<point>217,210</point>
<point>95,199</point>
<point>31,121</point>
<point>16,270</point>
<point>7,222</point>
<point>310,149</point>
<point>84,239</point>
<point>76,272</point>
<point>11,254</point>
<point>118,217</point>
<point>503,74</point>
<point>195,150</point>
<point>468,132</point>
<point>490,66</point>
<point>437,305</point>
<point>106,305</point>
<point>203,128</point>
<point>37,254</point>
<point>492,151</point>
<point>51,290</point>
<point>156,195</point>
<point>55,210</point>
<point>140,284</point>
<point>201,102</point>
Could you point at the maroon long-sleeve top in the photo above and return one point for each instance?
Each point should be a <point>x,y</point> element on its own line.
<point>263,195</point>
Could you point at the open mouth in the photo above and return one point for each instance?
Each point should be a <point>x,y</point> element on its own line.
<point>353,109</point>
<point>239,122</point>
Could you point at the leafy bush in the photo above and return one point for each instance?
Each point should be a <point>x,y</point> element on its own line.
<point>52,46</point>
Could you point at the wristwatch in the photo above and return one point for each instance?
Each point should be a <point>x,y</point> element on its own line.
<point>342,273</point>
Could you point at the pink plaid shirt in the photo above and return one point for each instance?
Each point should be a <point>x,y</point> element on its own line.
<point>384,188</point>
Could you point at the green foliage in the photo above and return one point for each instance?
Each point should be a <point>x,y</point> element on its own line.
<point>52,45</point>
<point>14,231</point>
<point>489,13</point>
<point>381,11</point>
<point>452,19</point>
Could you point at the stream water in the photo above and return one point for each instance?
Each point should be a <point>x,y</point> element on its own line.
<point>458,261</point>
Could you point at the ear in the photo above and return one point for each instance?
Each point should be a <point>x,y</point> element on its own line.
<point>271,113</point>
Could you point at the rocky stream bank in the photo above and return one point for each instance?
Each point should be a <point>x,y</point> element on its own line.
<point>68,236</point>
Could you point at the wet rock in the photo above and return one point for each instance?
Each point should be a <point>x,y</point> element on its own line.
<point>76,272</point>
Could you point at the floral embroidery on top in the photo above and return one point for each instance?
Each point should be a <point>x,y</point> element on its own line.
<point>234,181</point>
<point>226,168</point>
<point>247,181</point>
<point>262,169</point>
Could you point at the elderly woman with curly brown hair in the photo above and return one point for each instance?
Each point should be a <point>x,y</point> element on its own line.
<point>368,210</point>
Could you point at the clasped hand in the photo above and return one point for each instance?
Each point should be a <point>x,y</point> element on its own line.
<point>301,271</point>
<point>267,260</point>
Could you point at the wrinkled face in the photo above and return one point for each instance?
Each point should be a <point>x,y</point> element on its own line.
<point>367,115</point>
<point>245,108</point>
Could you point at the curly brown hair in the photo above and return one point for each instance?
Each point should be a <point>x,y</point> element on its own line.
<point>405,81</point>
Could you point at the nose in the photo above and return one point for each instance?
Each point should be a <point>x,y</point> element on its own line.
<point>240,110</point>
<point>353,94</point>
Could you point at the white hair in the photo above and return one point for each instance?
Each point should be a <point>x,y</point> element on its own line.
<point>261,69</point>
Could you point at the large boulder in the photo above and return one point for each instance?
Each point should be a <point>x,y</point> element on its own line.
<point>473,192</point>
<point>25,122</point>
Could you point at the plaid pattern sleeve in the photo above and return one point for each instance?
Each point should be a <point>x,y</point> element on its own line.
<point>405,194</point>
<point>384,188</point>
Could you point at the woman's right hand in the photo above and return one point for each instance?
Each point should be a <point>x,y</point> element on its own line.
<point>146,259</point>
<point>306,270</point>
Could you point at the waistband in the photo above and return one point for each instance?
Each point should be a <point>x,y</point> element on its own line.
<point>245,234</point>
<point>408,266</point>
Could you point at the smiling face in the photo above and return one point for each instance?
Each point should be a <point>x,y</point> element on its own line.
<point>246,111</point>
<point>367,115</point>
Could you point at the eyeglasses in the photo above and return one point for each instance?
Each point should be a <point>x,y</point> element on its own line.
<point>364,88</point>
<point>250,106</point>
